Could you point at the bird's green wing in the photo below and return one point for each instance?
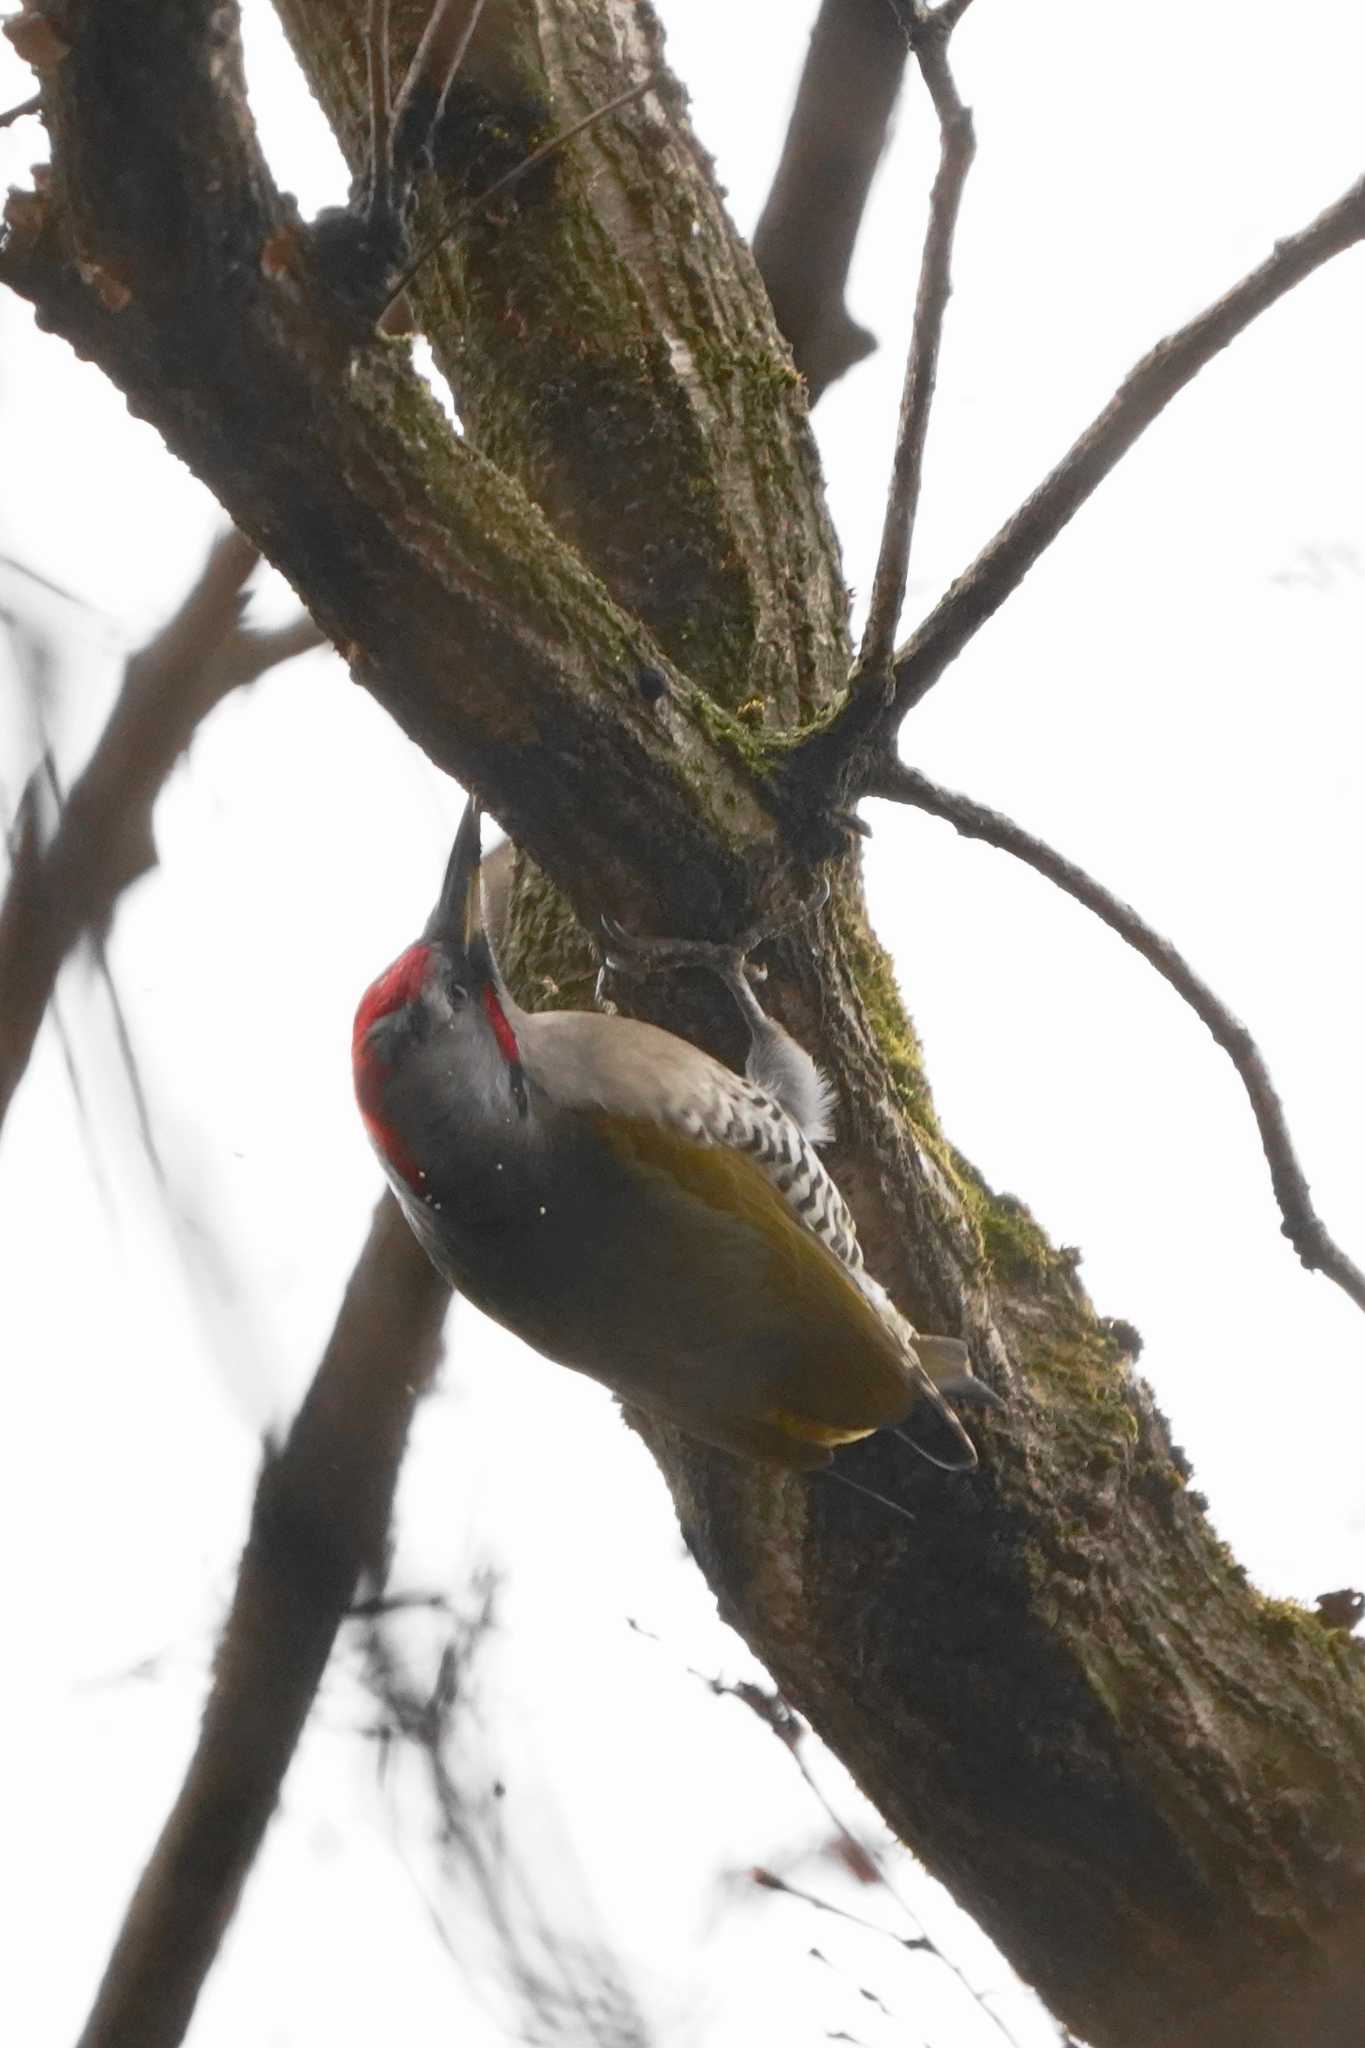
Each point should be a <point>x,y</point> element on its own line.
<point>816,1364</point>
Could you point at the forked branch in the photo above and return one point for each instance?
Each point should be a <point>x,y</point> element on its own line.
<point>1144,394</point>
<point>1302,1225</point>
<point>841,755</point>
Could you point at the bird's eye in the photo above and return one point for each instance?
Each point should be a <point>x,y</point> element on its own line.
<point>458,993</point>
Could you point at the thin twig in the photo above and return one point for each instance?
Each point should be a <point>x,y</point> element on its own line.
<point>957,146</point>
<point>103,839</point>
<point>775,1714</point>
<point>771,1882</point>
<point>381,105</point>
<point>1147,389</point>
<point>31,106</point>
<point>1300,1222</point>
<point>18,568</point>
<point>383,1604</point>
<point>318,1528</point>
<point>782,1720</point>
<point>509,178</point>
<point>430,75</point>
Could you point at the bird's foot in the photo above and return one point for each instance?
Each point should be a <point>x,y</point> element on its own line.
<point>776,1062</point>
<point>625,952</point>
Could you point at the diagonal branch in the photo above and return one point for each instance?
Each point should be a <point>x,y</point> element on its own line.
<point>1145,392</point>
<point>957,146</point>
<point>103,841</point>
<point>28,106</point>
<point>318,1528</point>
<point>1301,1223</point>
<point>481,631</point>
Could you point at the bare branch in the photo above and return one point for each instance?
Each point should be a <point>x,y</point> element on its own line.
<point>1145,392</point>
<point>381,104</point>
<point>957,146</point>
<point>318,1528</point>
<point>30,106</point>
<point>780,1718</point>
<point>771,1882</point>
<point>803,243</point>
<point>103,841</point>
<point>1301,1224</point>
<point>948,14</point>
<point>831,766</point>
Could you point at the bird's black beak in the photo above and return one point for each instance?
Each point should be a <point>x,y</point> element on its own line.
<point>457,920</point>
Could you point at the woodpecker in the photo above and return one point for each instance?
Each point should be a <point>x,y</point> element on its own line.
<point>633,1209</point>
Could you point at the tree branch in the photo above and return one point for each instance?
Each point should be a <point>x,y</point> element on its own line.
<point>59,892</point>
<point>28,106</point>
<point>957,146</point>
<point>477,628</point>
<point>837,758</point>
<point>318,1528</point>
<point>640,452</point>
<point>437,58</point>
<point>804,240</point>
<point>1301,1223</point>
<point>1145,392</point>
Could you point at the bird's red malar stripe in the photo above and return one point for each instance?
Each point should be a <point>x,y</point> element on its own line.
<point>390,1147</point>
<point>502,1030</point>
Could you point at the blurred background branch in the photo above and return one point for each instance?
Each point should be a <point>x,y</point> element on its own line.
<point>805,237</point>
<point>318,1532</point>
<point>63,886</point>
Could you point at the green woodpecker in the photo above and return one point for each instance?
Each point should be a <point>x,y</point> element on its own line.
<point>632,1208</point>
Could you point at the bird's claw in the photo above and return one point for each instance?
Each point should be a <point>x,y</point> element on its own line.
<point>630,952</point>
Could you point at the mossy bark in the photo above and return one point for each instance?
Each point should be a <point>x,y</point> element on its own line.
<point>1146,1781</point>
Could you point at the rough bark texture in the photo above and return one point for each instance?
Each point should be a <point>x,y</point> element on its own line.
<point>1145,1780</point>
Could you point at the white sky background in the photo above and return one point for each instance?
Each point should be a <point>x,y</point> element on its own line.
<point>1174,698</point>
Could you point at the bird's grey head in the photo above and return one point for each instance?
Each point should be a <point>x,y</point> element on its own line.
<point>435,1038</point>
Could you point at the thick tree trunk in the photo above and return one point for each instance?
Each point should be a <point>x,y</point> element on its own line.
<point>1146,1781</point>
